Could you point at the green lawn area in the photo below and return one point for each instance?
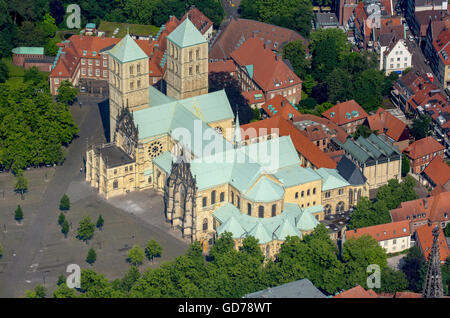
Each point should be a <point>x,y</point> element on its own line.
<point>16,72</point>
<point>109,27</point>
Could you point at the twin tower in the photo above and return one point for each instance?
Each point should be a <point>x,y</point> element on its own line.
<point>186,70</point>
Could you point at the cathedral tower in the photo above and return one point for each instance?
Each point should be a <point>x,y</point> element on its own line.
<point>128,79</point>
<point>432,287</point>
<point>187,62</point>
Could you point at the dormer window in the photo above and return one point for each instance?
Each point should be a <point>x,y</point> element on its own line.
<point>94,53</point>
<point>84,52</point>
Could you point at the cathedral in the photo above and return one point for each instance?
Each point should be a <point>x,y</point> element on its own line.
<point>188,146</point>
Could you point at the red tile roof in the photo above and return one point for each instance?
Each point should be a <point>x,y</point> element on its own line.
<point>270,72</point>
<point>382,232</point>
<point>254,97</point>
<point>221,66</point>
<point>425,238</point>
<point>303,145</point>
<point>332,129</point>
<point>201,21</point>
<point>423,147</point>
<point>342,113</point>
<point>434,208</point>
<point>238,30</point>
<point>441,45</point>
<point>407,295</point>
<point>438,171</point>
<point>357,292</point>
<point>280,106</point>
<point>386,123</point>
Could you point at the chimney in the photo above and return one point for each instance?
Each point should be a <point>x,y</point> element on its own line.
<point>282,103</point>
<point>425,203</point>
<point>265,46</point>
<point>253,34</point>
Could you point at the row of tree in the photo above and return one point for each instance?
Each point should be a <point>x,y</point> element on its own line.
<point>227,272</point>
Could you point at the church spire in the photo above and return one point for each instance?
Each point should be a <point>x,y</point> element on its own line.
<point>237,138</point>
<point>433,281</point>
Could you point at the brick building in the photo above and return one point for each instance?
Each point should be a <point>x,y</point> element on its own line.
<point>421,152</point>
<point>347,115</point>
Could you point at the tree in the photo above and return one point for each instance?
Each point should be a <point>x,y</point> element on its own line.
<point>295,53</point>
<point>18,214</point>
<point>32,75</point>
<point>447,230</point>
<point>223,80</point>
<point>415,268</point>
<point>21,184</point>
<point>30,35</point>
<point>4,72</point>
<point>39,292</point>
<point>65,228</point>
<point>392,281</point>
<point>421,126</point>
<point>61,280</point>
<point>406,166</point>
<point>100,222</point>
<point>86,229</point>
<point>364,131</point>
<point>61,218</point>
<point>91,257</point>
<point>66,93</point>
<point>51,49</point>
<point>63,291</point>
<point>136,255</point>
<point>366,214</point>
<point>153,249</point>
<point>57,11</point>
<point>64,203</point>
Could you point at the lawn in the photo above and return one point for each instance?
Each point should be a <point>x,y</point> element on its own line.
<point>16,73</point>
<point>140,29</point>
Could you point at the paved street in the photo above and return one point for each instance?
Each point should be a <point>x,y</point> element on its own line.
<point>42,243</point>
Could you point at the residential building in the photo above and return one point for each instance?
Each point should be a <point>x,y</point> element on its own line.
<point>226,66</point>
<point>421,152</point>
<point>347,115</point>
<point>396,57</point>
<point>237,31</point>
<point>259,68</point>
<point>255,99</point>
<point>395,130</point>
<point>437,173</point>
<point>419,12</point>
<point>325,20</point>
<point>298,289</point>
<point>424,238</point>
<point>279,106</point>
<point>394,237</point>
<point>27,57</point>
<point>439,58</point>
<point>377,158</point>
<point>201,22</point>
<point>434,210</point>
<point>344,12</point>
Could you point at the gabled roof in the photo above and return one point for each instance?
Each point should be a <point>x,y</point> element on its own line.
<point>186,34</point>
<point>331,179</point>
<point>438,171</point>
<point>221,66</point>
<point>280,106</point>
<point>201,21</point>
<point>382,232</point>
<point>350,172</point>
<point>298,289</point>
<point>127,50</point>
<point>265,190</point>
<point>357,292</point>
<point>254,97</point>
<point>373,147</point>
<point>28,50</point>
<point>263,66</point>
<point>423,147</point>
<point>387,124</point>
<point>345,112</point>
<point>425,239</point>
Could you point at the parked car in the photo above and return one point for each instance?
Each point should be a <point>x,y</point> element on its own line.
<point>83,89</point>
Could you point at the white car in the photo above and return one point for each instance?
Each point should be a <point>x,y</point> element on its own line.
<point>411,38</point>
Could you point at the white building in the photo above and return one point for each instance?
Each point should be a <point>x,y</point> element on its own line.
<point>393,237</point>
<point>395,58</point>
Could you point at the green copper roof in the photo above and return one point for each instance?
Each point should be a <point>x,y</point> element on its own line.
<point>331,179</point>
<point>28,50</point>
<point>265,190</point>
<point>290,222</point>
<point>295,175</point>
<point>127,50</point>
<point>373,147</point>
<point>158,98</point>
<point>186,34</point>
<point>164,161</point>
<point>249,69</point>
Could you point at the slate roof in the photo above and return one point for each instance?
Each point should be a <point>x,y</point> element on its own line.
<point>331,179</point>
<point>350,172</point>
<point>299,289</point>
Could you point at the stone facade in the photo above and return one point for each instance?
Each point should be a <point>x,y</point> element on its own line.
<point>187,70</point>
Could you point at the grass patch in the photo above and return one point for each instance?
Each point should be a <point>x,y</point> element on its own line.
<point>141,29</point>
<point>16,73</point>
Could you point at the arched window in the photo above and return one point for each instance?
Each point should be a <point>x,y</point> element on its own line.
<point>139,67</point>
<point>115,184</point>
<point>149,179</point>
<point>238,202</point>
<point>232,197</point>
<point>274,209</point>
<point>205,224</point>
<point>131,69</point>
<point>296,195</point>
<point>267,251</point>
<point>222,196</point>
<point>350,197</point>
<point>261,212</point>
<point>327,209</point>
<point>204,202</point>
<point>249,209</point>
<point>213,197</point>
<point>340,207</point>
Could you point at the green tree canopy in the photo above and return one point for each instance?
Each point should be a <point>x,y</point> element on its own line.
<point>136,255</point>
<point>64,203</point>
<point>67,93</point>
<point>421,126</point>
<point>18,214</point>
<point>153,249</point>
<point>86,229</point>
<point>91,257</point>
